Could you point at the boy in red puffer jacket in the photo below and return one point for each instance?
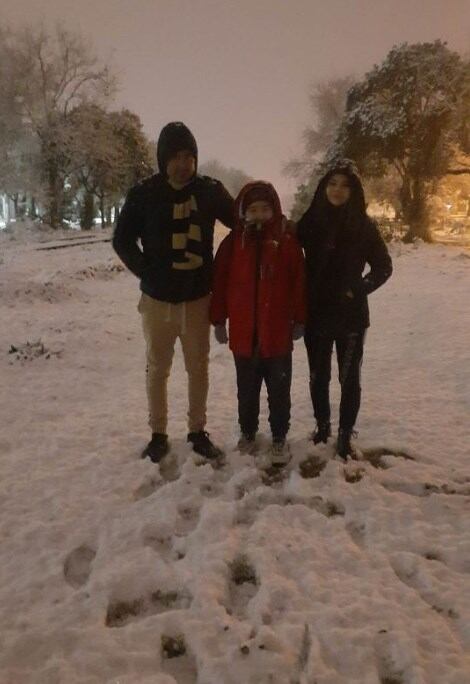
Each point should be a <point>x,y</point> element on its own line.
<point>259,286</point>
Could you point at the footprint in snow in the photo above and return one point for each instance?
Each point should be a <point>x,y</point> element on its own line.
<point>169,468</point>
<point>353,474</point>
<point>120,613</point>
<point>312,466</point>
<point>374,456</point>
<point>159,543</point>
<point>423,489</point>
<point>394,661</point>
<point>357,532</point>
<point>188,519</point>
<point>177,661</point>
<point>77,566</point>
<point>147,488</point>
<point>243,586</point>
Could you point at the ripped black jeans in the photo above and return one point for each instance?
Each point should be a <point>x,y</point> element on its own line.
<point>349,352</point>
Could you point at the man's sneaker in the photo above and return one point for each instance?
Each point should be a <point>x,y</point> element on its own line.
<point>321,433</point>
<point>247,444</point>
<point>280,453</point>
<point>202,445</point>
<point>157,448</point>
<point>344,448</point>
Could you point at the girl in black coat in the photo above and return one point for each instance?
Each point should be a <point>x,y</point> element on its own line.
<point>339,239</point>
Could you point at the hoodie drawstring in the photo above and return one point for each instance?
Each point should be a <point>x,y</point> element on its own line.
<point>183,315</point>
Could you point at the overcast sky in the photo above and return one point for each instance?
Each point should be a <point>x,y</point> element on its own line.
<point>238,73</point>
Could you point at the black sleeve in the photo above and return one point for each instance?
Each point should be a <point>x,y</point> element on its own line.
<point>224,205</point>
<point>127,232</point>
<point>378,259</point>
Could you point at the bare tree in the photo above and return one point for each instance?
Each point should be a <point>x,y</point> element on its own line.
<point>327,105</point>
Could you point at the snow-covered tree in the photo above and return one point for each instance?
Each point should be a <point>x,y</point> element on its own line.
<point>110,153</point>
<point>410,113</point>
<point>45,75</point>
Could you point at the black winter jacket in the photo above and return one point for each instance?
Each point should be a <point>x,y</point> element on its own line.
<point>176,231</point>
<point>335,258</point>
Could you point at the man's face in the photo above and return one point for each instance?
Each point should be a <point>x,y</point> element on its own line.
<point>181,168</point>
<point>258,212</point>
<point>338,190</point>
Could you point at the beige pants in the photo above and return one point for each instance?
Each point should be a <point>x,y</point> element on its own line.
<point>163,323</point>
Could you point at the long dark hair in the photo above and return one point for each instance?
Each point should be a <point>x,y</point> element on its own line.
<point>353,213</point>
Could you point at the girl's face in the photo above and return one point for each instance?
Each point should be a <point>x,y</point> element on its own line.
<point>338,190</point>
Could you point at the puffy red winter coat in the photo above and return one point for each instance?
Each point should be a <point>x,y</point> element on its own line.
<point>259,285</point>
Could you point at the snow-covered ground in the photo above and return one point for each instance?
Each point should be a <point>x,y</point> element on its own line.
<point>356,574</point>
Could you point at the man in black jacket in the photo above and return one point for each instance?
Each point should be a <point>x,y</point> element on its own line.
<point>339,239</point>
<point>173,214</point>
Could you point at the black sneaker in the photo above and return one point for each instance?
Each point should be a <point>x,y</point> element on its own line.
<point>202,445</point>
<point>157,448</point>
<point>344,448</point>
<point>322,432</point>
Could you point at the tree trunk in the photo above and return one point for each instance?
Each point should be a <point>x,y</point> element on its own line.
<point>103,213</point>
<point>15,204</point>
<point>417,215</point>
<point>33,208</point>
<point>54,212</point>
<point>88,211</point>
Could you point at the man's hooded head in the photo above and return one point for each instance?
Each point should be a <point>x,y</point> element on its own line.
<point>174,137</point>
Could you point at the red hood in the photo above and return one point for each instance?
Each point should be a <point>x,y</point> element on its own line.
<point>277,218</point>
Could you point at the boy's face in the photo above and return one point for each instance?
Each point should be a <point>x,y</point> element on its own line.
<point>181,168</point>
<point>259,212</point>
<point>338,190</point>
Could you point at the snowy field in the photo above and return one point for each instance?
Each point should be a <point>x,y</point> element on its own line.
<point>114,571</point>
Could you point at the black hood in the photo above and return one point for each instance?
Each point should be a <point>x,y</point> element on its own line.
<point>173,138</point>
<point>357,203</point>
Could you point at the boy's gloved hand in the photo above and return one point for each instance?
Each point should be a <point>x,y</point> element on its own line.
<point>298,331</point>
<point>220,333</point>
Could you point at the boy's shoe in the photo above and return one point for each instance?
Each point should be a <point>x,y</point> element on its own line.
<point>322,432</point>
<point>247,444</point>
<point>202,445</point>
<point>157,448</point>
<point>280,452</point>
<point>344,448</point>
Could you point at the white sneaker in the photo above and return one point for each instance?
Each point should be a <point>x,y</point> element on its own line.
<point>246,444</point>
<point>280,452</point>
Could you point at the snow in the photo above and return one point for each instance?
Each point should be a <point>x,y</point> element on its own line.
<point>110,564</point>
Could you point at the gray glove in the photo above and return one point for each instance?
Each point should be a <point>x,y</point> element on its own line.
<point>220,333</point>
<point>298,331</point>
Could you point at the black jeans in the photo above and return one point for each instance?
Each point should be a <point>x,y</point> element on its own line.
<point>349,352</point>
<point>277,374</point>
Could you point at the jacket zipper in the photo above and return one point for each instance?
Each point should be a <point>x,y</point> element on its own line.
<point>258,240</point>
